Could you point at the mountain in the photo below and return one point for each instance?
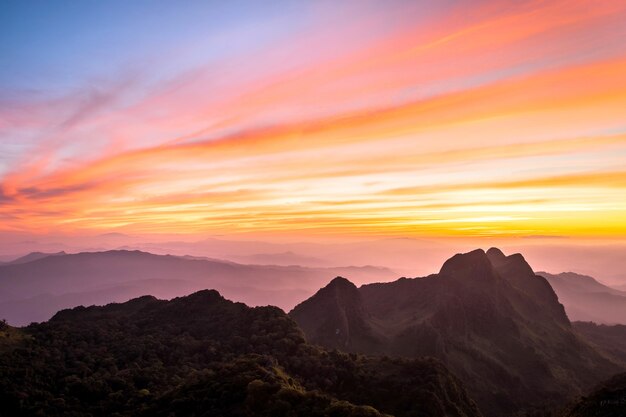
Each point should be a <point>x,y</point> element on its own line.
<point>579,282</point>
<point>400,254</point>
<point>33,256</point>
<point>606,400</point>
<point>487,316</point>
<point>336,318</point>
<point>585,299</point>
<point>35,290</point>
<point>282,258</point>
<point>610,340</point>
<point>205,355</point>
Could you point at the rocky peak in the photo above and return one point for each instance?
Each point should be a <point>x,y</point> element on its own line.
<point>471,265</point>
<point>341,283</point>
<point>496,256</point>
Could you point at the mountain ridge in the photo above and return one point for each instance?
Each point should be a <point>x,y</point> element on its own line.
<point>205,355</point>
<point>486,316</point>
<point>586,299</point>
<point>33,256</point>
<point>35,290</point>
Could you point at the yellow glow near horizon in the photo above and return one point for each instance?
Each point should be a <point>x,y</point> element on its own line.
<point>491,126</point>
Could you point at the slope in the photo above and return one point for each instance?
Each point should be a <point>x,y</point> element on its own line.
<point>205,355</point>
<point>496,324</point>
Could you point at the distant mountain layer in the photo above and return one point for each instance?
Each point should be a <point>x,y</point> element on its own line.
<point>33,290</point>
<point>202,355</point>
<point>283,258</point>
<point>585,299</point>
<point>33,256</point>
<point>487,316</point>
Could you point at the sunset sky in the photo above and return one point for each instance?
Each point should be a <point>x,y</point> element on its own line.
<point>321,118</point>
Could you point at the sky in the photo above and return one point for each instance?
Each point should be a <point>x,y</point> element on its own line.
<point>321,119</point>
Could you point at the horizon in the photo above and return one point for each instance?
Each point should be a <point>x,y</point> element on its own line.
<point>403,257</point>
<point>422,121</point>
<point>313,208</point>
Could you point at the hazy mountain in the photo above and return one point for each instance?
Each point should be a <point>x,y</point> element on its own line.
<point>608,399</point>
<point>579,282</point>
<point>396,254</point>
<point>33,256</point>
<point>496,324</point>
<point>34,291</point>
<point>282,258</point>
<point>586,299</point>
<point>407,256</point>
<point>206,356</point>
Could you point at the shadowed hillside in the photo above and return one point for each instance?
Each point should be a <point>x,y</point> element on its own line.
<point>611,340</point>
<point>204,355</point>
<point>608,399</point>
<point>496,324</point>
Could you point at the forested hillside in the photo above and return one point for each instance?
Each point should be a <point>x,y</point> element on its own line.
<point>204,355</point>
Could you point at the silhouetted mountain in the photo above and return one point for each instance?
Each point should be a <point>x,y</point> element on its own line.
<point>606,400</point>
<point>34,291</point>
<point>206,356</point>
<point>496,325</point>
<point>585,299</point>
<point>610,340</point>
<point>337,317</point>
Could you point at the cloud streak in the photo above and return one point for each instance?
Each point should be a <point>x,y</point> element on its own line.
<point>508,121</point>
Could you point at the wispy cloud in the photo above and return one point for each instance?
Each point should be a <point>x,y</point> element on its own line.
<point>482,119</point>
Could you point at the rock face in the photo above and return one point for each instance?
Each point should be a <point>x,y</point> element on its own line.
<point>204,355</point>
<point>342,322</point>
<point>487,316</point>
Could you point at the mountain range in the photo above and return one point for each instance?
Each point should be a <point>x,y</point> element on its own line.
<point>202,355</point>
<point>586,299</point>
<point>33,256</point>
<point>34,287</point>
<point>496,324</point>
<point>486,328</point>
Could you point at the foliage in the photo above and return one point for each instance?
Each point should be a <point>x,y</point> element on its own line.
<point>606,400</point>
<point>610,340</point>
<point>202,355</point>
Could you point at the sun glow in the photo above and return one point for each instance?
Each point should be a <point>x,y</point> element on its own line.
<point>507,122</point>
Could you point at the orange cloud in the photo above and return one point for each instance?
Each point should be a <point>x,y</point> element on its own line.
<point>458,127</point>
